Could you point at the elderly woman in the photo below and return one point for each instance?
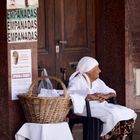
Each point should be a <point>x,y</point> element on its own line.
<point>85,83</point>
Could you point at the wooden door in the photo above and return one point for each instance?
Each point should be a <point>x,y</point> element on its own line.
<point>66,33</point>
<point>46,41</point>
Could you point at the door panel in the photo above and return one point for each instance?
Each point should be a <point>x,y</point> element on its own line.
<point>46,44</point>
<point>70,34</point>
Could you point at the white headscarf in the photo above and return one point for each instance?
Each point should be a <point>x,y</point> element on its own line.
<point>84,65</point>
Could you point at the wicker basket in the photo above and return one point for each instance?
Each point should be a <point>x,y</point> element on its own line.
<point>45,109</point>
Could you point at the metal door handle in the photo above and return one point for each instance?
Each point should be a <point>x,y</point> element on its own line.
<point>62,42</point>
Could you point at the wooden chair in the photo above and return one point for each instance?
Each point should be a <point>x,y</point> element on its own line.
<point>92,127</point>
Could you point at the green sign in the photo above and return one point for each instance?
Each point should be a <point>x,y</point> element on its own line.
<point>22,25</point>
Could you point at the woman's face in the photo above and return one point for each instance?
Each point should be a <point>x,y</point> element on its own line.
<point>93,74</point>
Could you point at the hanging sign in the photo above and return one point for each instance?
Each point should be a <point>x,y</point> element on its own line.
<point>21,71</point>
<point>15,4</point>
<point>22,25</point>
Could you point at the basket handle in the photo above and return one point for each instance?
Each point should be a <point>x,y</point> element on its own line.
<point>47,77</point>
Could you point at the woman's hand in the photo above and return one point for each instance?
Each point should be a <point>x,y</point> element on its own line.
<point>100,96</point>
<point>95,97</point>
<point>106,96</point>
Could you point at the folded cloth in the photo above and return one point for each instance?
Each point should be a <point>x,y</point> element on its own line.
<point>48,93</point>
<point>78,102</point>
<point>36,131</point>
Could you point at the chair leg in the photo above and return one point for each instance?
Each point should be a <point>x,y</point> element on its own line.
<point>94,129</point>
<point>71,124</point>
<point>85,132</point>
<point>98,129</point>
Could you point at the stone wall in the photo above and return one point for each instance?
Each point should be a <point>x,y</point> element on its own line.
<point>132,47</point>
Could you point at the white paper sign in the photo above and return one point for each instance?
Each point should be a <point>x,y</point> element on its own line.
<point>138,81</point>
<point>21,71</point>
<point>14,4</point>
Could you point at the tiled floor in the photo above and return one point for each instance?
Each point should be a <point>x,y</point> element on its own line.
<point>77,130</point>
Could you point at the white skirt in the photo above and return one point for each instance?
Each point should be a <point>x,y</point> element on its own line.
<point>110,114</point>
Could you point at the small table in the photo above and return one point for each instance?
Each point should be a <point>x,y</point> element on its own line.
<point>36,131</point>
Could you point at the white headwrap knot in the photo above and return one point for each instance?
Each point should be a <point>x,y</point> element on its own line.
<point>84,65</point>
